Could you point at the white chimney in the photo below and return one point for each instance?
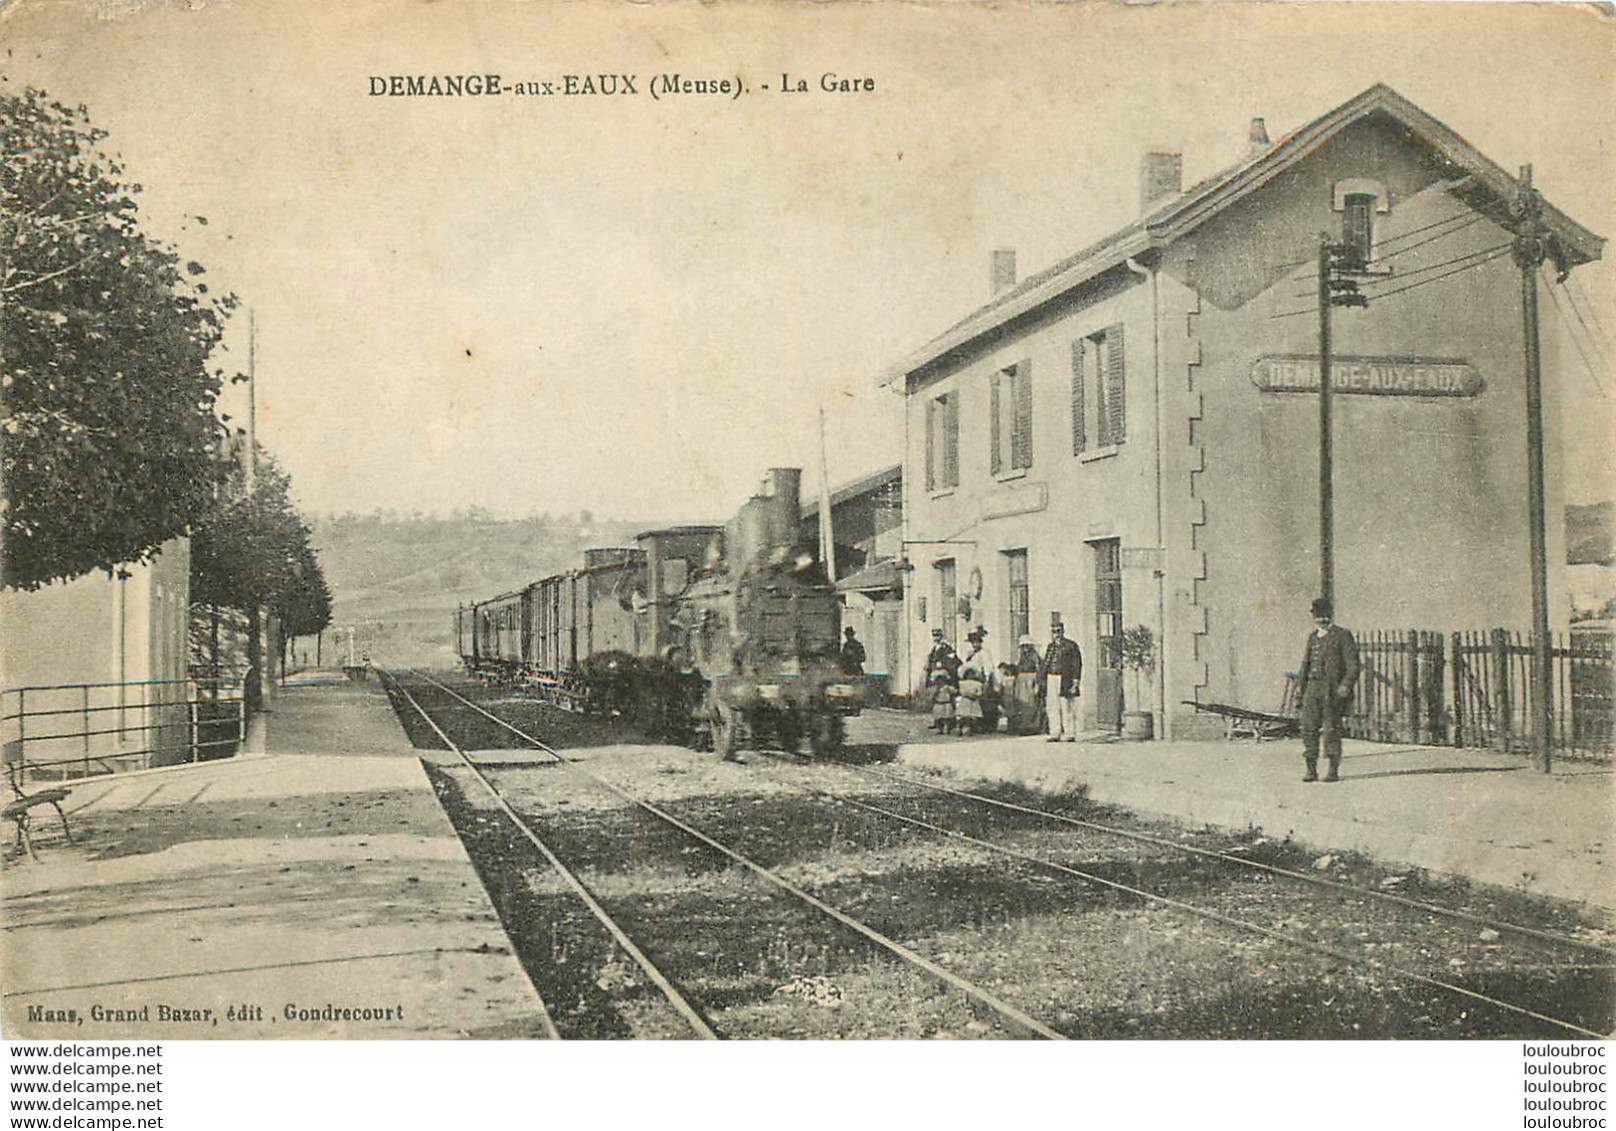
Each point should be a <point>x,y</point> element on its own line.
<point>1003,269</point>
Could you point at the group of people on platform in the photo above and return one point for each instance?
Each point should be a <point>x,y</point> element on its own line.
<point>968,692</point>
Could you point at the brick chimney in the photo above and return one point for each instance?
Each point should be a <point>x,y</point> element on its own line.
<point>1161,175</point>
<point>1003,269</point>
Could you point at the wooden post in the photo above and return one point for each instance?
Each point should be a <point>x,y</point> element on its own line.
<point>1503,716</point>
<point>86,690</point>
<point>1326,451</point>
<point>1529,254</point>
<point>1414,689</point>
<point>1436,683</point>
<point>1456,663</point>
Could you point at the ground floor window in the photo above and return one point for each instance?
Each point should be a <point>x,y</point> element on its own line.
<point>947,600</point>
<point>1020,619</point>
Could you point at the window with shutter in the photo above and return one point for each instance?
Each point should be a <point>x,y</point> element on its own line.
<point>1098,370</point>
<point>1010,443</point>
<point>1099,390</point>
<point>950,439</point>
<point>1079,426</point>
<point>1115,385</point>
<point>995,424</point>
<point>931,445</point>
<point>1358,229</point>
<point>1021,435</point>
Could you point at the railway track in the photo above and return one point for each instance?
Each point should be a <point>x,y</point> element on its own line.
<point>1600,951</point>
<point>1378,966</point>
<point>937,820</point>
<point>1011,1018</point>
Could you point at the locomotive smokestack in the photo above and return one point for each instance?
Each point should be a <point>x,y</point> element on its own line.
<point>768,527</point>
<point>783,488</point>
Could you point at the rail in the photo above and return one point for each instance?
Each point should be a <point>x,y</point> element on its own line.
<point>1015,1018</point>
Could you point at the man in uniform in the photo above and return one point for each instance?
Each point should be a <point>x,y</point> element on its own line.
<point>942,658</point>
<point>1063,679</point>
<point>852,656</point>
<point>1328,674</point>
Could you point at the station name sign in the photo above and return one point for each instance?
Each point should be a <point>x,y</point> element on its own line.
<point>1389,376</point>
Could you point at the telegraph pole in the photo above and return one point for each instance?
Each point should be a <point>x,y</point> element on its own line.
<point>1326,443</point>
<point>1529,254</point>
<point>827,530</point>
<point>251,463</point>
<point>1338,263</point>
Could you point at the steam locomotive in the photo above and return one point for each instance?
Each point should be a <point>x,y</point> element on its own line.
<point>727,635</point>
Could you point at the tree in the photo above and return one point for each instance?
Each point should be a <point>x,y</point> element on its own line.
<point>110,439</point>
<point>250,551</point>
<point>304,606</point>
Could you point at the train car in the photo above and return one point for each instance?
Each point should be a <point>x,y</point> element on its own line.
<point>738,613</point>
<point>490,635</point>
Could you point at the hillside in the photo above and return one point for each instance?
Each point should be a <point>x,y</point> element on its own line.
<point>398,580</point>
<point>1588,533</point>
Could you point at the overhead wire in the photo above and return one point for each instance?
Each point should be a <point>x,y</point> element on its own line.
<point>1463,262</point>
<point>1409,274</point>
<point>1461,217</point>
<point>1428,239</point>
<point>1595,339</point>
<point>1575,341</point>
<point>1459,222</point>
<point>1577,283</point>
<point>1475,258</point>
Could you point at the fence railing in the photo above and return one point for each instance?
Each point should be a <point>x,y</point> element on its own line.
<point>1475,689</point>
<point>78,730</point>
<point>1399,695</point>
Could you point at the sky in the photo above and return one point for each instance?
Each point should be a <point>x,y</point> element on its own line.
<point>634,306</point>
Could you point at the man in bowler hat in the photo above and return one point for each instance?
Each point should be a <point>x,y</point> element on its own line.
<point>1329,673</point>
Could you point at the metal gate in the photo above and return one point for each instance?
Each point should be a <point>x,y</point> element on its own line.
<point>1493,694</point>
<point>1399,697</point>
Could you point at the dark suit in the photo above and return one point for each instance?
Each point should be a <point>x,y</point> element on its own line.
<point>1329,673</point>
<point>1064,658</point>
<point>943,658</point>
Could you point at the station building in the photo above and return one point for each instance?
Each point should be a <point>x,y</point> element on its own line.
<point>1131,436</point>
<point>867,525</point>
<point>93,671</point>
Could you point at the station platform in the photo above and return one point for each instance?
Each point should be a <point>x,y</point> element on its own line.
<point>1485,816</point>
<point>315,891</point>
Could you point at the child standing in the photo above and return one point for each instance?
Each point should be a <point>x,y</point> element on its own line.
<point>968,714</point>
<point>942,703</point>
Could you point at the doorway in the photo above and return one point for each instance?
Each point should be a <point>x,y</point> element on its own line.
<point>1108,634</point>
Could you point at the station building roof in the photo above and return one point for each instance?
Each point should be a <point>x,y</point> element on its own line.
<point>1480,181</point>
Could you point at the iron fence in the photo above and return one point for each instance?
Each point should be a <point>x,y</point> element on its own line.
<point>79,730</point>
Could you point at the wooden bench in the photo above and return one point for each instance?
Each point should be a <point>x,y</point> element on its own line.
<point>18,809</point>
